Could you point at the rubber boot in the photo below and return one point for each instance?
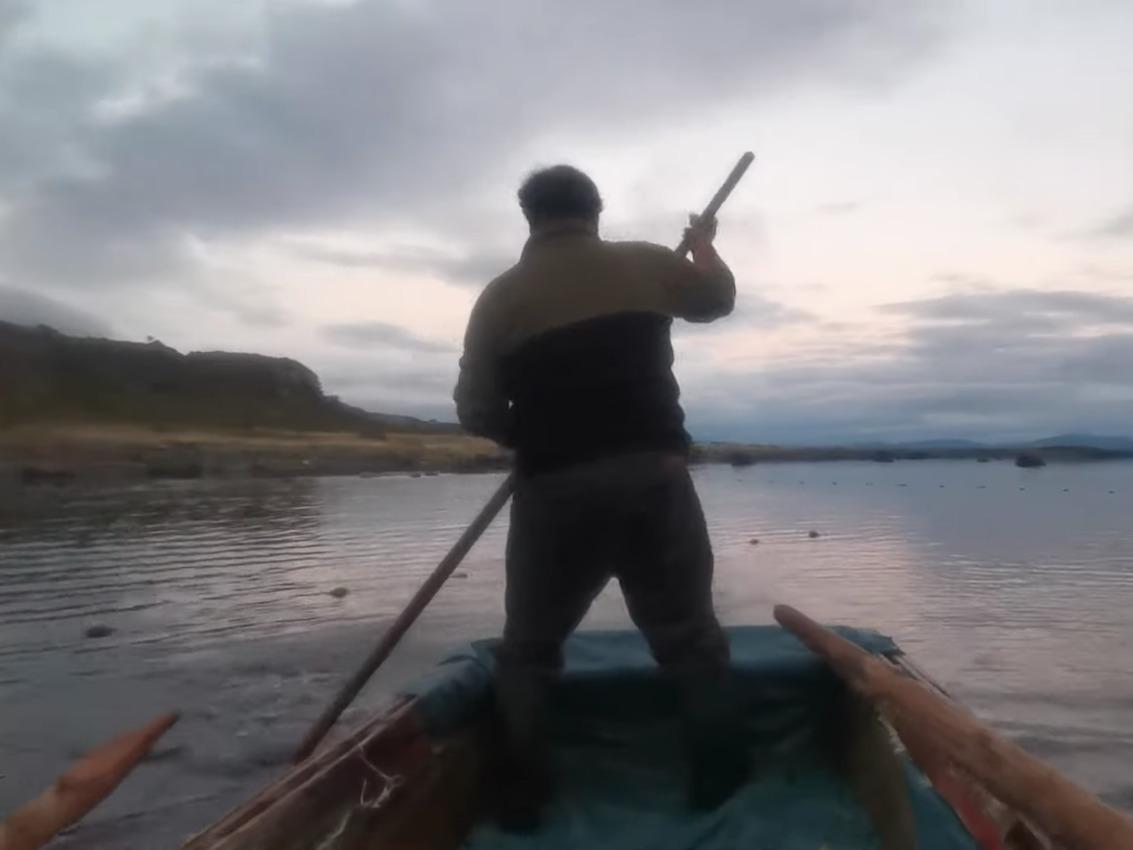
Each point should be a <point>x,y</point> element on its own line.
<point>524,776</point>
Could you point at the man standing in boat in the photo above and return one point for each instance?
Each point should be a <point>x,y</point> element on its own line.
<point>568,361</point>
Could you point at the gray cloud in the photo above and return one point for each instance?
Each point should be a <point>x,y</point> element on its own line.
<point>1023,363</point>
<point>368,334</point>
<point>12,14</point>
<point>1053,310</point>
<point>29,308</point>
<point>381,381</point>
<point>840,207</point>
<point>472,269</point>
<point>752,312</point>
<point>1116,227</point>
<point>375,111</point>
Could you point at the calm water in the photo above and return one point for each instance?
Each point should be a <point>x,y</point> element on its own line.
<point>1013,587</point>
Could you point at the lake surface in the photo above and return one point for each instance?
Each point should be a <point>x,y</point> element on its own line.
<point>1014,588</point>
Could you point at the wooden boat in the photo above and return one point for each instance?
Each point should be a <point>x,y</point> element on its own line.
<point>854,747</point>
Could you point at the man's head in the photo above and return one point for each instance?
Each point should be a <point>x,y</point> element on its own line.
<point>559,193</point>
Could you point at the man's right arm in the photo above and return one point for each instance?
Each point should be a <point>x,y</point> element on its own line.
<point>701,290</point>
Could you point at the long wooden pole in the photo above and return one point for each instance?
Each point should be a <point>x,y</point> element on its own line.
<point>456,554</point>
<point>406,618</point>
<point>721,195</point>
<point>1069,816</point>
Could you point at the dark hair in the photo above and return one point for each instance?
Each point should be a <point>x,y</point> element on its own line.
<point>559,192</point>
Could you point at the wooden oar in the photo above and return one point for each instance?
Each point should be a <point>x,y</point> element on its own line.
<point>456,554</point>
<point>85,784</point>
<point>946,734</point>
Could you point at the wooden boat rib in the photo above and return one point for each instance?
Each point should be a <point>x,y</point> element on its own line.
<point>88,781</point>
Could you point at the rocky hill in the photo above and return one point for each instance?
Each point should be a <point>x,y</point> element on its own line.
<point>46,376</point>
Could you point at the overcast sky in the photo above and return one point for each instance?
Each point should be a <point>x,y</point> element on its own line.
<point>936,238</point>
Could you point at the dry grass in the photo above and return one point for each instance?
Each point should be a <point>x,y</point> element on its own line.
<point>255,438</point>
<point>80,446</point>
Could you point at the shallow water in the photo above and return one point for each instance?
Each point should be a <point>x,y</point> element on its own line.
<point>1012,587</point>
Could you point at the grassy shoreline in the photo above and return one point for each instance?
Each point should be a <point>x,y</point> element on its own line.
<point>60,453</point>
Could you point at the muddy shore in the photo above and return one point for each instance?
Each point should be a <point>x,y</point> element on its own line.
<point>91,453</point>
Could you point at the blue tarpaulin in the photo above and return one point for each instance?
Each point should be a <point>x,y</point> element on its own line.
<point>620,762</point>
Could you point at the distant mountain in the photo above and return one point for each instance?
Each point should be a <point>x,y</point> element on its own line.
<point>412,425</point>
<point>49,377</point>
<point>1089,441</point>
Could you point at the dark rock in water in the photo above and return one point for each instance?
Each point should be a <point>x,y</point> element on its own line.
<point>1029,461</point>
<point>45,475</point>
<point>740,458</point>
<point>170,753</point>
<point>812,534</point>
<point>177,462</point>
<point>754,541</point>
<point>340,592</point>
<point>99,631</point>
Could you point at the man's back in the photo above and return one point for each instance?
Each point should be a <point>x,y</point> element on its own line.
<point>575,340</point>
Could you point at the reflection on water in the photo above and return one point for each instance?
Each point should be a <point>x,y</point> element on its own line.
<point>1013,586</point>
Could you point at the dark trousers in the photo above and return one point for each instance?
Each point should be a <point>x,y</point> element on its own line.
<point>635,518</point>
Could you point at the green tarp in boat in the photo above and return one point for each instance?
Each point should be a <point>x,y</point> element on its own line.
<point>620,765</point>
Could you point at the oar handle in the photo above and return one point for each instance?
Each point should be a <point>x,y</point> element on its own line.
<point>721,195</point>
<point>405,619</point>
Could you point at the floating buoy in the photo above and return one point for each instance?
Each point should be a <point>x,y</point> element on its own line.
<point>754,541</point>
<point>339,592</point>
<point>812,534</point>
<point>99,631</point>
<point>460,575</point>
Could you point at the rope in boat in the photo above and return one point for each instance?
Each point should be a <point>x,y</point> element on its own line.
<point>390,783</point>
